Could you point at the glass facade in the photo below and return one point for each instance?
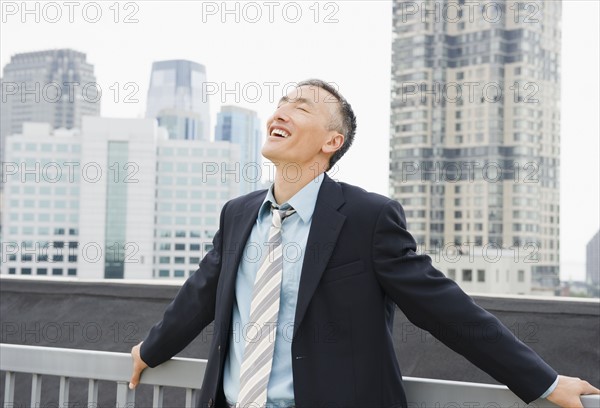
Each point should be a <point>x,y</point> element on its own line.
<point>60,66</point>
<point>116,212</point>
<point>176,93</point>
<point>242,127</point>
<point>144,208</point>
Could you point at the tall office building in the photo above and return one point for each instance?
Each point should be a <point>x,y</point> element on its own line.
<point>117,199</point>
<point>54,86</point>
<point>592,260</point>
<point>242,127</point>
<point>176,97</point>
<point>475,126</point>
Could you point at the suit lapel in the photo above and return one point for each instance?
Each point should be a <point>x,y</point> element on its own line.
<point>237,233</point>
<point>325,227</point>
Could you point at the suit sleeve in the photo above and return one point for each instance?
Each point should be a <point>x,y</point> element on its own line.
<point>438,305</point>
<point>192,309</point>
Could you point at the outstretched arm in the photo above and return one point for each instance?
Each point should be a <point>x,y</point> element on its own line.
<point>186,316</point>
<point>438,305</point>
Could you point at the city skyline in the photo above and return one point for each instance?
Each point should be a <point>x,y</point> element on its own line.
<point>359,63</point>
<point>133,203</point>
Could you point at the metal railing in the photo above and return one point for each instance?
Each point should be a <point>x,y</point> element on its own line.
<point>188,374</point>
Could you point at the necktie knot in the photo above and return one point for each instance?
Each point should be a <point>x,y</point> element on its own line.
<point>281,214</point>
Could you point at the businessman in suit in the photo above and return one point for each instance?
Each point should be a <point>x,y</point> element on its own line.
<point>303,280</point>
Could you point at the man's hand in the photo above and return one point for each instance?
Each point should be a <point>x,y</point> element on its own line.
<point>568,390</point>
<point>138,366</point>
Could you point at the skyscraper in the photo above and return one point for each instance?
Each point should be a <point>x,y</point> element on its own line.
<point>177,99</point>
<point>116,199</point>
<point>53,86</point>
<point>475,126</point>
<point>242,127</point>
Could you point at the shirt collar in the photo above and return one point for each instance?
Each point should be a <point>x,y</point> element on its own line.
<point>303,201</point>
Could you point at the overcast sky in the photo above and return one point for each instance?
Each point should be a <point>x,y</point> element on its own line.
<point>346,42</point>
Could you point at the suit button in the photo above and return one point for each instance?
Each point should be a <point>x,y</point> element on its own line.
<point>210,403</point>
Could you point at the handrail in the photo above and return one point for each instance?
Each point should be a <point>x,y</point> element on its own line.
<point>99,365</point>
<point>94,365</point>
<point>188,373</point>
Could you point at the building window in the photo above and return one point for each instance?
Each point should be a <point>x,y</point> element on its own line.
<point>71,271</point>
<point>179,273</point>
<point>452,274</point>
<point>467,275</point>
<point>480,275</point>
<point>521,276</point>
<point>163,273</point>
<point>42,271</point>
<point>57,271</point>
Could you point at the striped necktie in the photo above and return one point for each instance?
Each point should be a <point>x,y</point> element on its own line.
<point>264,309</point>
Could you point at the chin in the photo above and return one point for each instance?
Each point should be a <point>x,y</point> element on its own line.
<point>265,151</point>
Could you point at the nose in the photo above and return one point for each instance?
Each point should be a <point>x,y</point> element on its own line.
<point>281,114</point>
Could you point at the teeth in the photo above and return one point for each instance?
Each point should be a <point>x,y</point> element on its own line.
<point>280,132</point>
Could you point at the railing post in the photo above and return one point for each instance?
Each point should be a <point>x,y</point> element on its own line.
<point>157,397</point>
<point>36,390</point>
<point>63,392</point>
<point>92,393</point>
<point>9,389</point>
<point>189,398</point>
<point>125,396</point>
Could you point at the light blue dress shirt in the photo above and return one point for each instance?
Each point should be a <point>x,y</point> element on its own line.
<point>551,389</point>
<point>294,235</point>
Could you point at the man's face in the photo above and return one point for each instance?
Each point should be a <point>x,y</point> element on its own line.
<point>299,129</point>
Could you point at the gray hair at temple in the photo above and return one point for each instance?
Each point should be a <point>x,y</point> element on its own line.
<point>344,122</point>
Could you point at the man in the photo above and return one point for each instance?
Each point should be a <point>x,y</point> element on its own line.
<point>311,327</point>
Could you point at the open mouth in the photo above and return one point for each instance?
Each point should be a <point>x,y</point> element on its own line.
<point>280,133</point>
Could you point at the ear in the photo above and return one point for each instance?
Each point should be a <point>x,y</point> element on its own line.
<point>334,143</point>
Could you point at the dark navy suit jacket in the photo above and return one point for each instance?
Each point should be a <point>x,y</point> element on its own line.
<point>360,262</point>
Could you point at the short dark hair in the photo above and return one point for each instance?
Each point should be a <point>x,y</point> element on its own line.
<point>344,124</point>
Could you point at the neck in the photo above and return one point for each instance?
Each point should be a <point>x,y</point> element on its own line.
<point>289,179</point>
